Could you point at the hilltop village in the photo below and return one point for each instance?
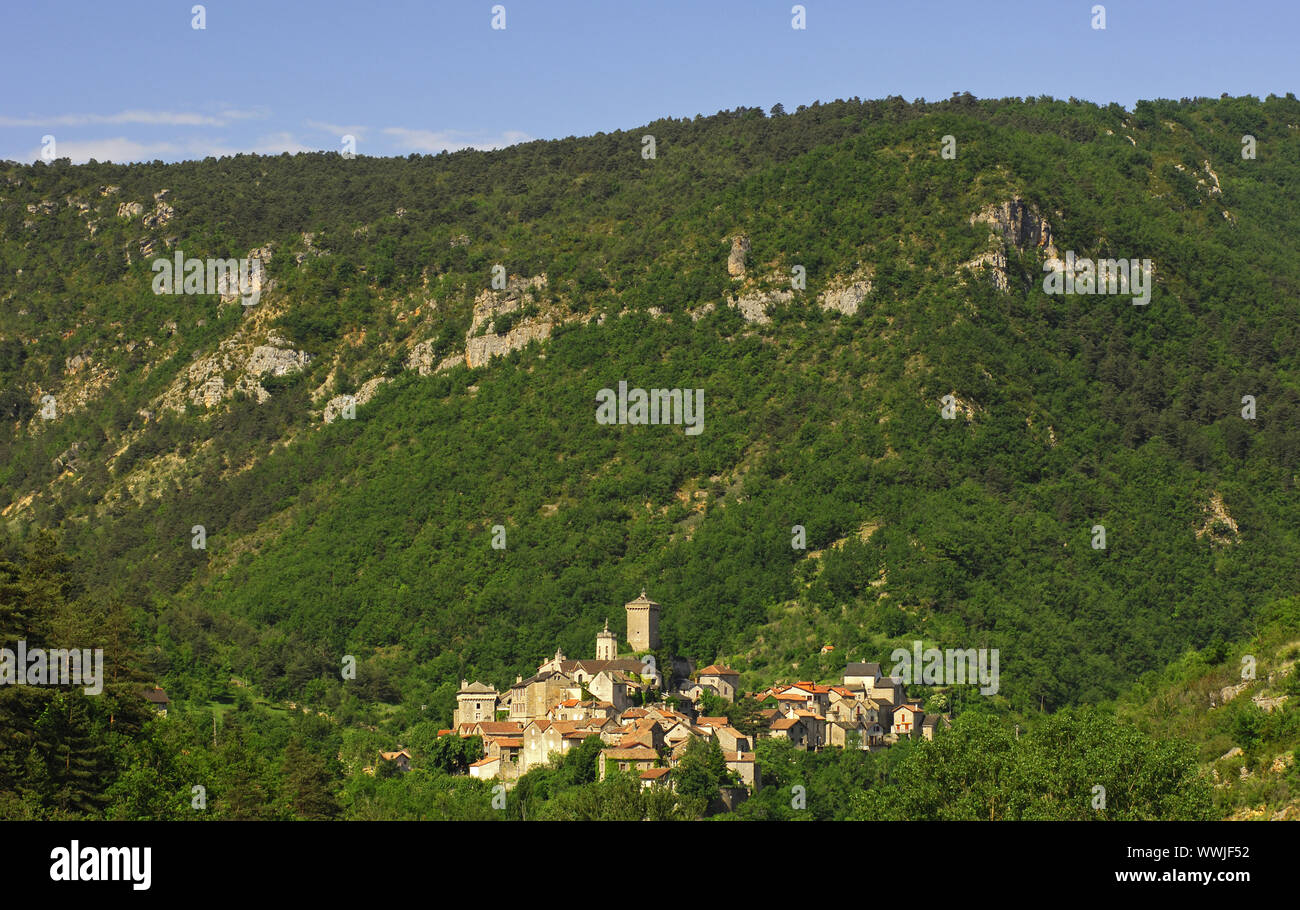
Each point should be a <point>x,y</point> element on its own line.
<point>646,721</point>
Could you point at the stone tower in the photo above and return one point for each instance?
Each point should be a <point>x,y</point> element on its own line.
<point>606,644</point>
<point>643,624</point>
<point>475,702</point>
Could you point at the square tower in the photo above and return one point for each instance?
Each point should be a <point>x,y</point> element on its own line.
<point>475,702</point>
<point>643,624</point>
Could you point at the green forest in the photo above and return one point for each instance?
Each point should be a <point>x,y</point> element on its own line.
<point>372,538</point>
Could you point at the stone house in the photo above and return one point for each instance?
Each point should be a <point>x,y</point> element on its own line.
<point>401,759</point>
<point>615,686</point>
<point>934,722</point>
<point>488,768</point>
<point>531,698</point>
<point>730,739</point>
<point>861,675</point>
<point>645,732</point>
<point>793,729</point>
<point>839,732</point>
<point>657,777</point>
<point>157,700</point>
<point>815,724</point>
<point>631,758</point>
<point>746,768</point>
<point>722,681</point>
<point>888,691</point>
<point>907,720</point>
<point>543,738</point>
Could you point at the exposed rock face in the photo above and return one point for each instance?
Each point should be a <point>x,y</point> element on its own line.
<point>1269,705</point>
<point>701,312</point>
<point>276,361</point>
<point>75,363</point>
<point>479,351</point>
<point>1019,224</point>
<point>490,304</point>
<point>160,216</point>
<point>334,407</point>
<point>1014,223</point>
<point>210,392</point>
<point>1216,189</point>
<point>250,386</point>
<point>204,382</point>
<point>753,306</point>
<point>484,341</point>
<point>996,262</point>
<point>736,261</point>
<point>44,207</point>
<point>420,358</point>
<point>1219,526</point>
<point>162,212</point>
<point>1227,694</point>
<point>229,286</point>
<point>963,407</point>
<point>129,209</point>
<point>309,249</point>
<point>846,298</point>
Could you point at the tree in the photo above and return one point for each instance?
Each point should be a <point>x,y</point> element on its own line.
<point>701,770</point>
<point>309,784</point>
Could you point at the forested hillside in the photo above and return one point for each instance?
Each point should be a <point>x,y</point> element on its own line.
<point>326,537</point>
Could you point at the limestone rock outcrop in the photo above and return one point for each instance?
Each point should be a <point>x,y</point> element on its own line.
<point>736,261</point>
<point>204,382</point>
<point>1019,224</point>
<point>753,306</point>
<point>278,361</point>
<point>335,406</point>
<point>480,350</point>
<point>229,286</point>
<point>846,297</point>
<point>162,212</point>
<point>1219,526</point>
<point>1014,223</point>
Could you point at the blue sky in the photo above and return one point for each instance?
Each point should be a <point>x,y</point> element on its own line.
<point>132,80</point>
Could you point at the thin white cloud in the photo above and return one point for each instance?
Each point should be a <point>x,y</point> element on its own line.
<point>121,150</point>
<point>140,117</point>
<point>432,141</point>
